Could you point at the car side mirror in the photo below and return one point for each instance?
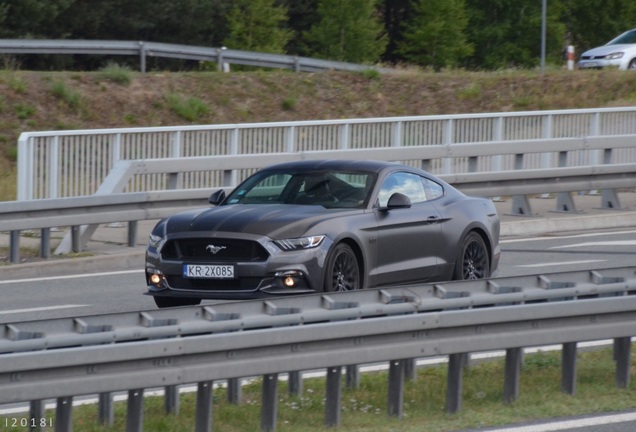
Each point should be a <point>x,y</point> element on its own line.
<point>398,200</point>
<point>217,197</point>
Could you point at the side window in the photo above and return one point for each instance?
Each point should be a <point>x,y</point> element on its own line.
<point>432,189</point>
<point>408,184</point>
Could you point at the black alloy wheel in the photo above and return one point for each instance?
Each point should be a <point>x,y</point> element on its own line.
<point>342,272</point>
<point>473,262</point>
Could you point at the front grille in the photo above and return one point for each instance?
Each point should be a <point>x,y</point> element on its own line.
<point>242,284</point>
<point>218,250</point>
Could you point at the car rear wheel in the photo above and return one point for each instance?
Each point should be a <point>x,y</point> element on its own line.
<point>632,64</point>
<point>342,272</point>
<point>166,302</point>
<point>473,261</point>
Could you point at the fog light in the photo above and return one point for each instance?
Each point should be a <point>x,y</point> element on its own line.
<point>155,278</point>
<point>289,281</point>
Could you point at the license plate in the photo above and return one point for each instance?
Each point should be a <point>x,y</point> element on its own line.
<point>208,271</point>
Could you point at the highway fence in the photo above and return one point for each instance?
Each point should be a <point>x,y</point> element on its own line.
<point>68,357</point>
<point>222,56</point>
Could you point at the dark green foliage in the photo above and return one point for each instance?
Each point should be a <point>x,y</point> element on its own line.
<point>347,31</point>
<point>507,33</point>
<point>434,35</point>
<point>257,25</point>
<point>473,34</point>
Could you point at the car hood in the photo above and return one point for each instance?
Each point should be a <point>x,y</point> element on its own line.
<point>608,49</point>
<point>272,220</point>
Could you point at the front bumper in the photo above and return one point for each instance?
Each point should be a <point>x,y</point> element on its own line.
<point>600,64</point>
<point>282,273</point>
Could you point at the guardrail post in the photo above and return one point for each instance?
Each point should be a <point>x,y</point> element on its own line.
<point>75,238</point>
<point>132,233</point>
<point>333,397</point>
<point>203,416</point>
<point>106,409</point>
<point>269,408</point>
<point>396,388</point>
<point>36,414</point>
<point>609,200</point>
<point>234,393</point>
<point>512,374</point>
<point>14,247</point>
<point>45,243</point>
<point>520,203</point>
<point>454,383</point>
<point>295,383</point>
<point>568,368</point>
<point>564,202</point>
<point>142,57</point>
<point>63,414</point>
<point>410,369</point>
<point>135,417</point>
<point>622,353</point>
<point>353,376</point>
<point>171,399</point>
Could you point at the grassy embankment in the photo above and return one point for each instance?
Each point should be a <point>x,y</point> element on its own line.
<point>365,408</point>
<point>116,97</point>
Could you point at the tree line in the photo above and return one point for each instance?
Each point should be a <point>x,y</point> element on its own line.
<point>436,34</point>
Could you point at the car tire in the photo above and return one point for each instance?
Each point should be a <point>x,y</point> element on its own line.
<point>166,302</point>
<point>342,272</point>
<point>632,64</point>
<point>473,261</point>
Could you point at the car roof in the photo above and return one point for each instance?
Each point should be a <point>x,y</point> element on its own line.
<point>336,164</point>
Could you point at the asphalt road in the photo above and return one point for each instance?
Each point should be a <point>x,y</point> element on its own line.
<point>122,291</point>
<point>44,297</point>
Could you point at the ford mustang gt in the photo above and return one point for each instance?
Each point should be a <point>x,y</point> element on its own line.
<point>322,226</point>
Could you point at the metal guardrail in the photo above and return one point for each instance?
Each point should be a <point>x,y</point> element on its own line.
<point>84,213</point>
<point>63,358</point>
<point>89,211</point>
<point>185,52</point>
<point>58,164</point>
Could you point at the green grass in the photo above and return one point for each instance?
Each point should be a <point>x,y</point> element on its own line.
<point>8,180</point>
<point>189,109</point>
<point>365,408</point>
<point>71,97</point>
<point>119,74</point>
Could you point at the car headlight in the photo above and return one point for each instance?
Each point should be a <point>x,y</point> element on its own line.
<point>154,240</point>
<point>300,243</point>
<point>614,56</point>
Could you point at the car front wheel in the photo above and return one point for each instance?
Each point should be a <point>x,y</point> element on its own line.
<point>342,272</point>
<point>473,261</point>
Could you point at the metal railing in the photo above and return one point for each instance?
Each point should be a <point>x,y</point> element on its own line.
<point>143,50</point>
<point>60,164</point>
<point>68,357</point>
<point>111,205</point>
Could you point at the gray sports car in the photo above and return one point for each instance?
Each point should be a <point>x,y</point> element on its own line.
<point>314,226</point>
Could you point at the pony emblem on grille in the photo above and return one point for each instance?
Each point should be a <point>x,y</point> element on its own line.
<point>214,249</point>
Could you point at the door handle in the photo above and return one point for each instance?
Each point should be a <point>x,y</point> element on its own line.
<point>432,219</point>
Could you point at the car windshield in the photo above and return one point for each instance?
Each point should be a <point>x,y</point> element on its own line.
<point>626,38</point>
<point>330,189</point>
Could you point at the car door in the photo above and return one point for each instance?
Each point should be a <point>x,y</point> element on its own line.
<point>409,239</point>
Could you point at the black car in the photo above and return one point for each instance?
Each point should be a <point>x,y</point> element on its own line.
<point>315,226</point>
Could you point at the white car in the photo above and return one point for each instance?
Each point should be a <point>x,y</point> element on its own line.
<point>619,52</point>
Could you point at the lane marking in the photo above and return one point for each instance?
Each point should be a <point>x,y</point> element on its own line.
<point>600,420</point>
<point>526,239</point>
<point>561,263</point>
<point>43,308</point>
<point>76,276</point>
<point>598,243</point>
